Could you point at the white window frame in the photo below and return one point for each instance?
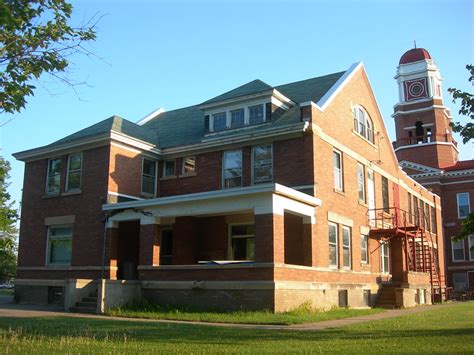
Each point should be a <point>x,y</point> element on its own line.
<point>183,165</point>
<point>224,168</point>
<point>229,123</point>
<point>336,244</point>
<point>452,250</point>
<point>49,239</point>
<point>155,177</point>
<point>365,125</point>
<point>228,110</point>
<point>468,204</point>
<point>361,166</point>
<point>79,170</point>
<point>364,241</point>
<point>346,247</point>
<point>253,164</point>
<point>226,116</point>
<point>47,177</point>
<point>384,254</point>
<point>230,251</point>
<point>339,184</point>
<point>164,168</point>
<point>470,242</point>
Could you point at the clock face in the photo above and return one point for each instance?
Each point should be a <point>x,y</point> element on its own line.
<point>416,89</point>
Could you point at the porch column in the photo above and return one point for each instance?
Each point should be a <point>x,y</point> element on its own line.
<point>111,251</point>
<point>149,241</point>
<point>269,238</point>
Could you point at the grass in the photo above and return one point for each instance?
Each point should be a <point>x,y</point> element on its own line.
<point>303,314</point>
<point>447,329</point>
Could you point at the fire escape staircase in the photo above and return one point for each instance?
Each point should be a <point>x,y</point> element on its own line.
<point>419,252</point>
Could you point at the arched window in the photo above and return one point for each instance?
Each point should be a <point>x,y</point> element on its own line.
<point>363,124</point>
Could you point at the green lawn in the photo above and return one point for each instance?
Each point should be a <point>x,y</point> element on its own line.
<point>303,314</point>
<point>443,330</point>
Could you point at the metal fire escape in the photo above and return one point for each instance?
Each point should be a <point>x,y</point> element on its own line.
<point>419,252</point>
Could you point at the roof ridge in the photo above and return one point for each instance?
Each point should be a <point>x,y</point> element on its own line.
<point>316,77</point>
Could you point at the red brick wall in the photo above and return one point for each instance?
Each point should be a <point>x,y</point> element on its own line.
<point>88,229</point>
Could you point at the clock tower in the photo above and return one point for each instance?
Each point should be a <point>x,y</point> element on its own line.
<point>422,121</point>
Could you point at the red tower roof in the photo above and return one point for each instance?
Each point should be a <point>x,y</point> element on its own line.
<point>414,55</point>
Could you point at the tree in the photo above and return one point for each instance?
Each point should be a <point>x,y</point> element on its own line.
<point>467,109</point>
<point>8,231</point>
<point>35,38</point>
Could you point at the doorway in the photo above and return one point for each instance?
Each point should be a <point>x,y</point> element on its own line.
<point>128,250</point>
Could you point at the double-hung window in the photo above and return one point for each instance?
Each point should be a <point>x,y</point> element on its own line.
<point>242,242</point>
<point>59,245</point>
<point>338,173</point>
<point>74,171</point>
<point>262,164</point>
<point>53,179</point>
<point>364,249</point>
<point>256,114</point>
<point>189,165</point>
<point>220,121</point>
<point>169,168</point>
<point>232,169</point>
<point>385,258</point>
<point>471,247</point>
<point>166,246</point>
<point>385,201</point>
<point>363,124</point>
<point>457,249</point>
<point>148,176</point>
<point>346,247</point>
<point>463,204</point>
<point>460,281</point>
<point>333,245</point>
<point>361,182</point>
<point>237,118</point>
<point>434,227</point>
<point>410,209</point>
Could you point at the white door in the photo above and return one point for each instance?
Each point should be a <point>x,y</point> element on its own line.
<point>371,196</point>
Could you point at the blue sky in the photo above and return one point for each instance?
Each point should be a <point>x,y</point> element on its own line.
<point>173,54</point>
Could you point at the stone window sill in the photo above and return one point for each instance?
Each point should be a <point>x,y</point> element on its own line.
<point>70,193</point>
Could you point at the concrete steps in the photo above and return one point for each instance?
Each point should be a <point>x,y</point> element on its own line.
<point>86,305</point>
<point>386,297</point>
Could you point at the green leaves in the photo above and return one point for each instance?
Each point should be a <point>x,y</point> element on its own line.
<point>467,109</point>
<point>35,38</point>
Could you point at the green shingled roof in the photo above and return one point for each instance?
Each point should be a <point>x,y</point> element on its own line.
<point>253,87</point>
<point>112,124</point>
<point>185,126</point>
<point>310,89</point>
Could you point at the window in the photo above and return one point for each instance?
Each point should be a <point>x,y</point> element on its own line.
<point>232,172</point>
<point>385,258</point>
<point>242,242</point>
<point>220,121</point>
<point>59,245</point>
<point>460,281</point>
<point>53,179</point>
<point>337,164</point>
<point>471,247</point>
<point>427,217</point>
<point>74,169</point>
<point>416,212</point>
<point>237,118</point>
<point>169,168</point>
<point>166,246</point>
<point>463,204</point>
<point>333,249</point>
<point>385,201</point>
<point>148,176</point>
<point>434,227</point>
<point>262,164</point>
<point>256,114</point>
<point>457,249</point>
<point>410,210</point>
<point>361,182</point>
<point>363,124</point>
<point>364,249</point>
<point>189,165</point>
<point>346,247</point>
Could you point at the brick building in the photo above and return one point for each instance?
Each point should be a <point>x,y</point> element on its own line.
<point>428,153</point>
<point>262,197</point>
